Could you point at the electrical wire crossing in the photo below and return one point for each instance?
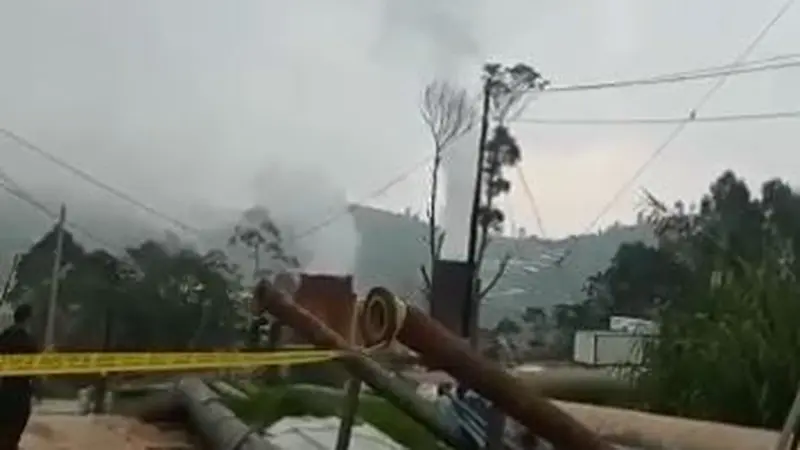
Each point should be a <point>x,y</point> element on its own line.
<point>672,136</point>
<point>526,187</point>
<point>780,115</point>
<point>398,179</point>
<point>677,77</point>
<point>12,188</point>
<point>91,179</point>
<point>778,62</point>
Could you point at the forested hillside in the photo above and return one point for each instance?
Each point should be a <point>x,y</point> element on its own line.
<point>393,248</point>
<point>390,252</point>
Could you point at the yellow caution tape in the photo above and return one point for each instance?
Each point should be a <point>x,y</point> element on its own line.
<point>85,363</point>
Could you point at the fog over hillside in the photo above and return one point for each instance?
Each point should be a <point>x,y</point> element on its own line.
<point>378,247</point>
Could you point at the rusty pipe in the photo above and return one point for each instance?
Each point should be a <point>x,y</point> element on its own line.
<point>384,317</point>
<point>280,305</point>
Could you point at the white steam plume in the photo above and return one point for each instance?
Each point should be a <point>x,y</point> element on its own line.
<point>301,197</point>
<point>458,166</point>
<point>448,34</point>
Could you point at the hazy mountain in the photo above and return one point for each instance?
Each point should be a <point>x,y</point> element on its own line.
<point>393,249</point>
<point>390,250</point>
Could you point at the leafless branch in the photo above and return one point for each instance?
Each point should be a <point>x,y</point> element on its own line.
<point>448,113</point>
<point>501,270</point>
<point>426,279</point>
<point>483,244</point>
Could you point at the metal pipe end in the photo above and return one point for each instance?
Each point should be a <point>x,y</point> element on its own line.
<point>380,317</point>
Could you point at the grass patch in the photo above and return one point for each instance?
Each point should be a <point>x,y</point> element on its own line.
<point>270,404</point>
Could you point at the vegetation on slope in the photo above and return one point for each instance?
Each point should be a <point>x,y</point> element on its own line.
<point>723,283</point>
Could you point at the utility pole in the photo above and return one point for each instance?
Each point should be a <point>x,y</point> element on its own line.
<point>51,307</point>
<point>101,386</point>
<point>474,219</point>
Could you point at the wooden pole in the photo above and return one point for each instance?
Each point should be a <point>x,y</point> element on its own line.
<point>49,336</point>
<point>474,216</point>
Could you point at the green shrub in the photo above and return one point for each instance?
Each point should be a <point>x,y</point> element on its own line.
<point>731,353</point>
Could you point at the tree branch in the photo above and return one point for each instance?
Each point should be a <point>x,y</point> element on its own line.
<point>448,114</point>
<point>440,244</point>
<point>425,277</point>
<point>501,270</point>
<point>483,244</point>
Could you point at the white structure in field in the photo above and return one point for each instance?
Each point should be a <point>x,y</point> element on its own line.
<point>632,325</point>
<point>621,345</point>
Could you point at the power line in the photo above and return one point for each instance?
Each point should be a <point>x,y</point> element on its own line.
<point>94,181</point>
<point>532,201</point>
<point>333,217</point>
<point>709,72</point>
<point>665,120</point>
<point>672,78</point>
<point>119,194</point>
<point>748,63</point>
<point>26,197</point>
<point>683,124</point>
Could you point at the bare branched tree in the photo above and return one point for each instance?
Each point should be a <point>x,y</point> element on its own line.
<point>449,113</point>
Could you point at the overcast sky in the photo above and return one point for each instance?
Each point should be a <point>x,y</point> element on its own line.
<point>186,101</point>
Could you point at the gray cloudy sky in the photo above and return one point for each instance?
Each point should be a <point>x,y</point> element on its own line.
<point>187,100</point>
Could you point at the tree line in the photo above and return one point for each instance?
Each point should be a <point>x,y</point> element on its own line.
<point>722,283</point>
<point>158,296</point>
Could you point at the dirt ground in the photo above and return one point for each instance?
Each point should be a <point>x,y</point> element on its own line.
<point>67,432</point>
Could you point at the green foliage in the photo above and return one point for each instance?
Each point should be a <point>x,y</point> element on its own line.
<point>639,279</point>
<point>259,234</point>
<point>156,299</point>
<point>268,405</point>
<point>723,283</point>
<point>391,251</point>
<point>36,265</point>
<point>732,356</point>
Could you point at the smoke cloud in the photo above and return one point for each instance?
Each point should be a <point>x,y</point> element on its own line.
<point>445,32</point>
<point>299,197</point>
<point>458,166</point>
<point>448,34</point>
